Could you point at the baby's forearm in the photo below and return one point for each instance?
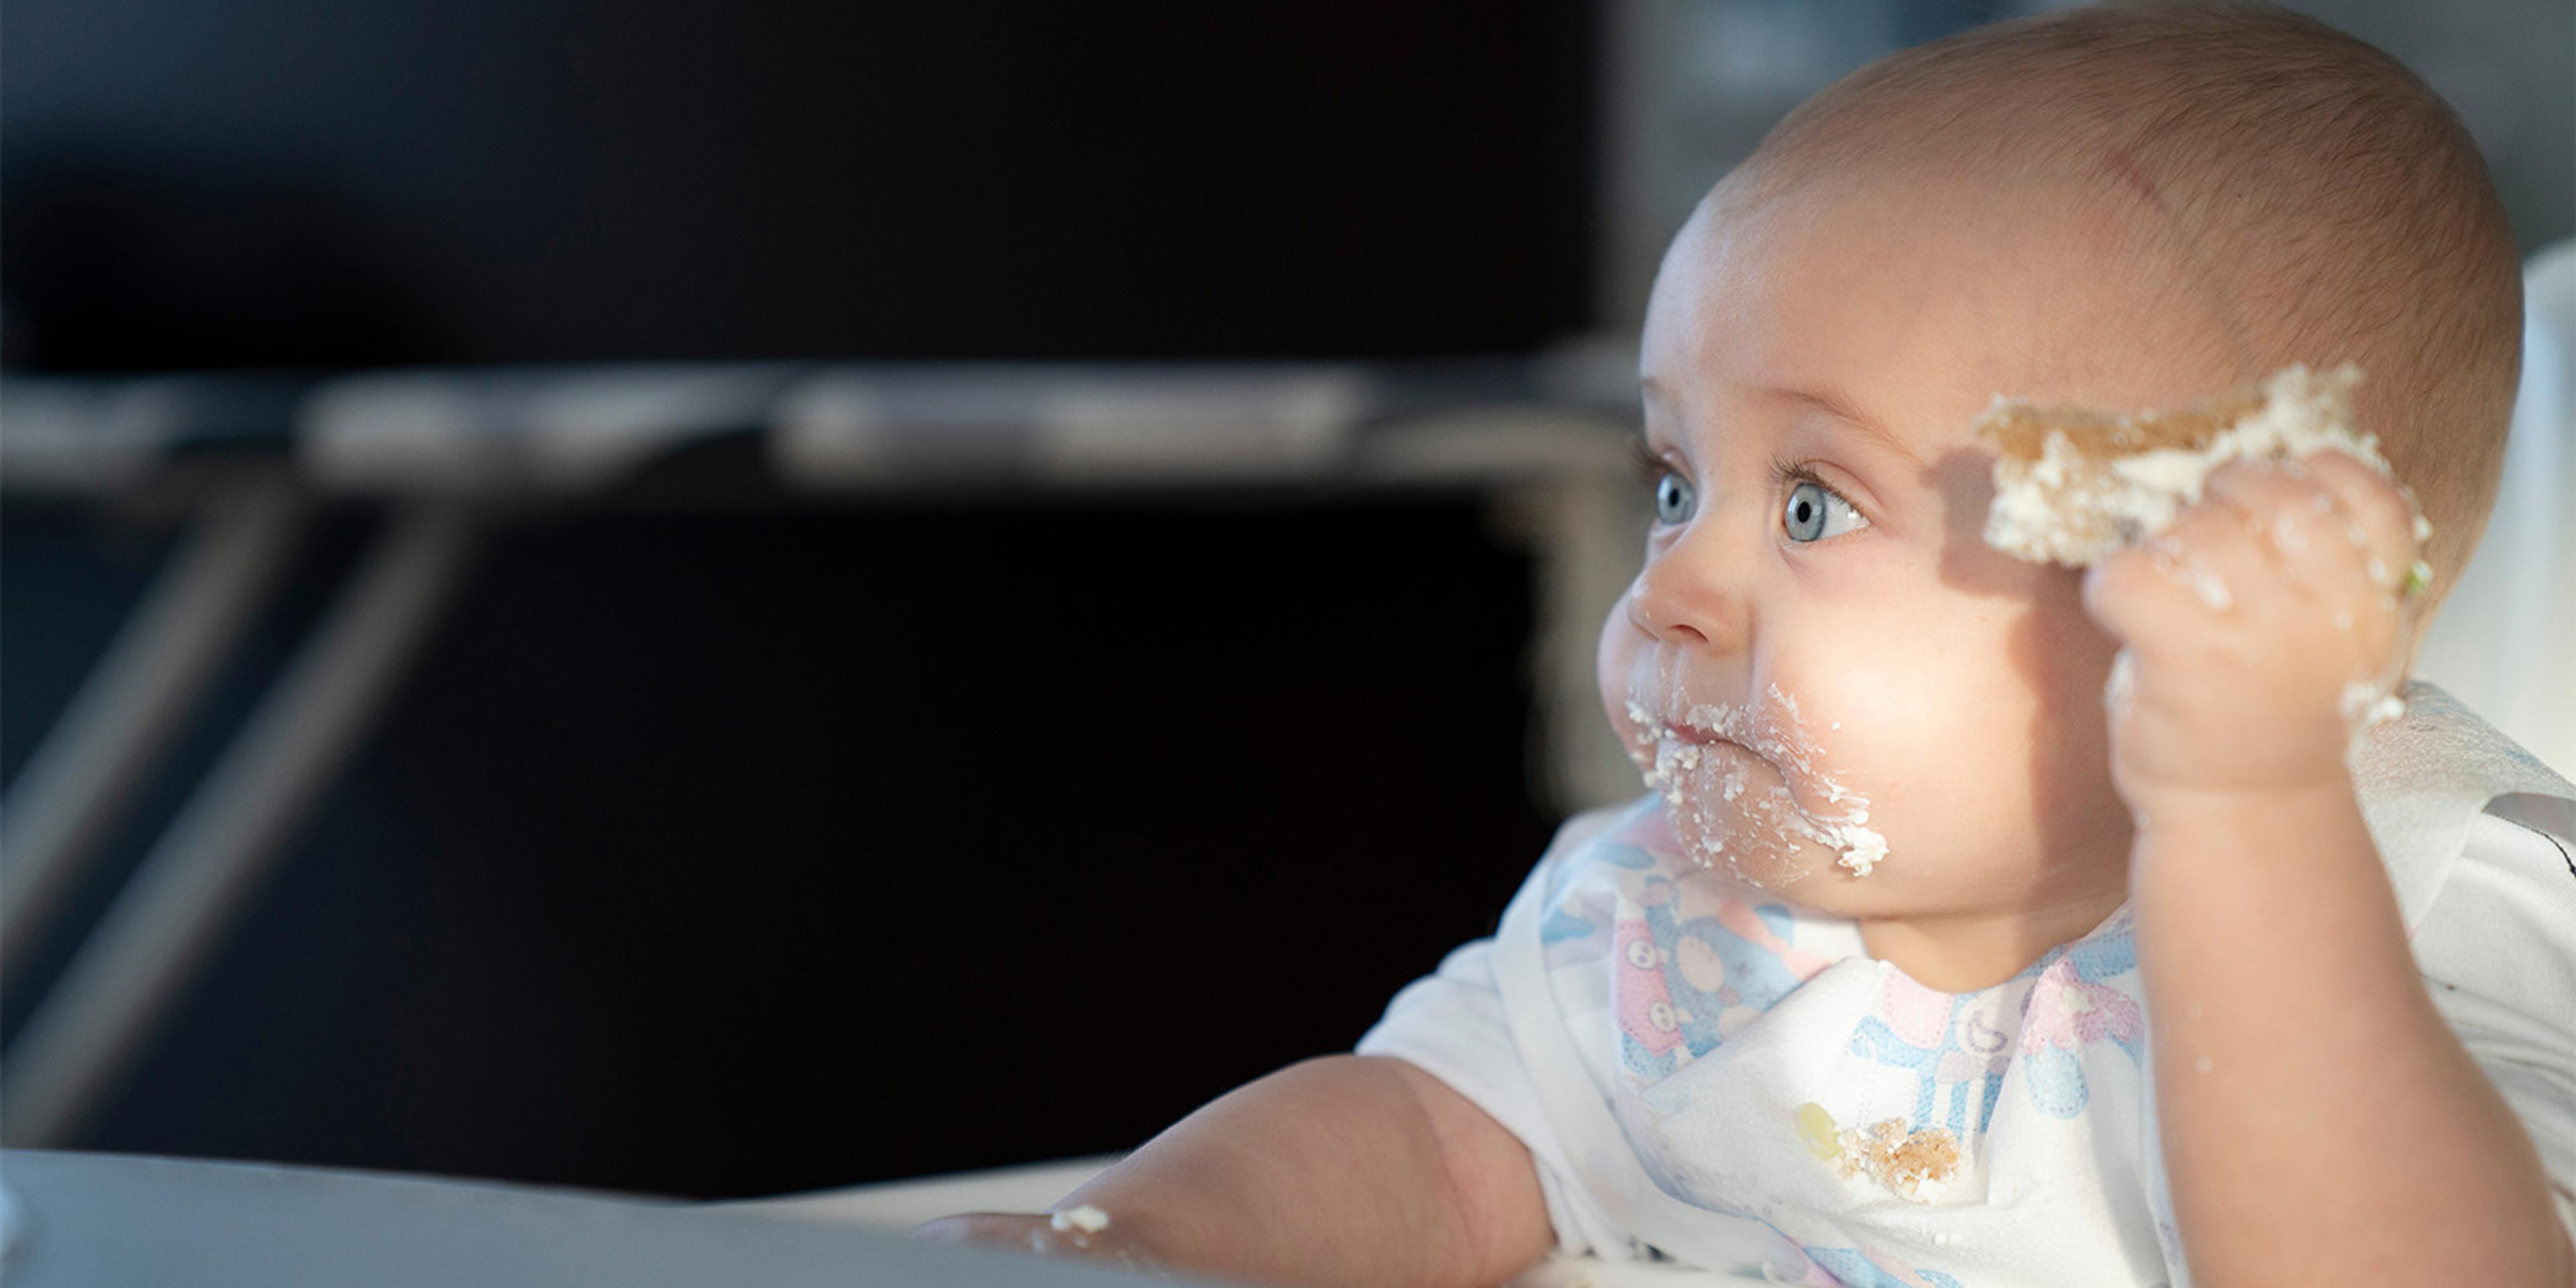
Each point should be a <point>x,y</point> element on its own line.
<point>1343,1170</point>
<point>2320,1122</point>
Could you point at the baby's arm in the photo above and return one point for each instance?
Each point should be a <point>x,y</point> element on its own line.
<point>2321,1123</point>
<point>1341,1170</point>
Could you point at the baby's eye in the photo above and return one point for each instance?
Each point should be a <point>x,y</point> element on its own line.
<point>1675,500</point>
<point>1816,512</point>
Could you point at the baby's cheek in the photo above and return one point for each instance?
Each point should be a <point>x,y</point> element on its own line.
<point>1863,709</point>
<point>1615,661</point>
<point>1964,740</point>
<point>1902,740</point>
<point>2047,726</point>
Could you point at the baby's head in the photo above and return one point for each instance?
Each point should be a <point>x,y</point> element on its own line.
<point>2121,207</point>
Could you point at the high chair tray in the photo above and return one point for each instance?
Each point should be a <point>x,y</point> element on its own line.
<point>72,1220</point>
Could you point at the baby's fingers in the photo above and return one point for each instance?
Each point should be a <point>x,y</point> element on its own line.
<point>2338,528</point>
<point>2385,511</point>
<point>2158,597</point>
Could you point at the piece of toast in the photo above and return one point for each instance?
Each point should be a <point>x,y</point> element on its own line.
<point>2073,485</point>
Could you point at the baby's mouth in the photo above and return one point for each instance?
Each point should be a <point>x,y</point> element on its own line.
<point>1678,758</point>
<point>1683,748</point>
<point>1703,736</point>
<point>1704,728</point>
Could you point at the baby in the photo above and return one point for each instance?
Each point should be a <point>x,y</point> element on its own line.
<point>1928,962</point>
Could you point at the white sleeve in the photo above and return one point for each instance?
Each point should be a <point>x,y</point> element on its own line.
<point>2498,952</point>
<point>1451,1025</point>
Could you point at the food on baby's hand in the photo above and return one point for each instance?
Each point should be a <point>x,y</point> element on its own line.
<point>2073,485</point>
<point>1086,1218</point>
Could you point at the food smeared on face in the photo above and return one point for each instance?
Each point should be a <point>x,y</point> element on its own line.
<point>1725,773</point>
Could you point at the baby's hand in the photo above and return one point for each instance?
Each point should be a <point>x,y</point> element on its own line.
<point>2258,631</point>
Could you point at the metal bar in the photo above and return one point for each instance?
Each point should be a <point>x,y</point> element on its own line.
<point>176,908</point>
<point>1581,532</point>
<point>136,698</point>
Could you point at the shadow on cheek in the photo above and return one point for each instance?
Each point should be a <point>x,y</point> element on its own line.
<point>2066,660</point>
<point>1964,479</point>
<point>2051,645</point>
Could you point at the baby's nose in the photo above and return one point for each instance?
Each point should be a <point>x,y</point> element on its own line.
<point>1690,596</point>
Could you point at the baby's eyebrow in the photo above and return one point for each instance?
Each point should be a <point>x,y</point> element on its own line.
<point>1840,406</point>
<point>1832,401</point>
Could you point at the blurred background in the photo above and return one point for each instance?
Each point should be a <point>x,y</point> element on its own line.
<point>718,599</point>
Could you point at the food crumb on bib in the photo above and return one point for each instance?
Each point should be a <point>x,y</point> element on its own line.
<point>1901,1160</point>
<point>1817,1128</point>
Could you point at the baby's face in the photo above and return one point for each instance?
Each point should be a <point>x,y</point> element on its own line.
<point>1821,651</point>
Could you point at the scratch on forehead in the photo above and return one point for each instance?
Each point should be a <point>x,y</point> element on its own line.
<point>2220,298</point>
<point>2125,168</point>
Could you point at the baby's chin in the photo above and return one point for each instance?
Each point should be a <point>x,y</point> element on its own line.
<point>1732,813</point>
<point>1790,869</point>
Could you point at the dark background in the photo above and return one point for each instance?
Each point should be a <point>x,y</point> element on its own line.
<point>745,850</point>
<point>293,183</point>
<point>745,842</point>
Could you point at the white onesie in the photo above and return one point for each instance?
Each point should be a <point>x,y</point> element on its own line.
<point>1705,1073</point>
